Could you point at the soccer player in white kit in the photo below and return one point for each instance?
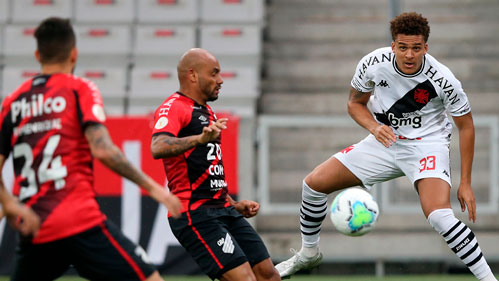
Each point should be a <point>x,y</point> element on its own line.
<point>400,94</point>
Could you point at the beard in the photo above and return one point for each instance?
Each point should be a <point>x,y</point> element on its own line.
<point>212,98</point>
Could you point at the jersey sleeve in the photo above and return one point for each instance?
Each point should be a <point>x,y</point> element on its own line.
<point>91,105</point>
<point>5,128</point>
<point>361,80</point>
<point>455,99</point>
<point>170,118</point>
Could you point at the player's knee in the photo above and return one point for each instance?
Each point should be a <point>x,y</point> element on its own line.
<point>267,273</point>
<point>442,219</point>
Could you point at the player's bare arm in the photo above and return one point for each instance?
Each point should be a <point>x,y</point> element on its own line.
<point>29,222</point>
<point>164,146</point>
<point>103,148</point>
<point>465,193</point>
<point>357,108</point>
<point>247,208</point>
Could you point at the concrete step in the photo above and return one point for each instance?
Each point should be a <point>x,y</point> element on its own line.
<point>368,12</point>
<point>424,245</point>
<point>313,74</point>
<point>295,49</point>
<point>335,103</point>
<point>361,32</point>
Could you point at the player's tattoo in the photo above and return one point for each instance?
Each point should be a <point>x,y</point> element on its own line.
<point>356,95</point>
<point>172,146</point>
<point>100,140</point>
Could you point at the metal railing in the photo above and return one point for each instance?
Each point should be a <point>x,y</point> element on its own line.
<point>267,123</point>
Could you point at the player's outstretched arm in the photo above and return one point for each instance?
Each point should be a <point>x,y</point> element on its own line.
<point>357,108</point>
<point>21,217</point>
<point>164,146</point>
<point>103,148</point>
<point>465,193</point>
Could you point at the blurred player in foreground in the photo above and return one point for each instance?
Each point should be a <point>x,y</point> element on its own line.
<point>21,217</point>
<point>54,126</point>
<point>409,92</point>
<point>186,136</point>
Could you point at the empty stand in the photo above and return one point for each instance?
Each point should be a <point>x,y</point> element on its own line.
<point>153,82</point>
<point>167,11</point>
<point>33,11</point>
<point>19,40</point>
<point>14,76</point>
<point>239,81</point>
<point>164,40</point>
<point>104,11</point>
<point>111,80</point>
<point>232,11</point>
<point>103,40</point>
<point>231,39</point>
<point>4,11</point>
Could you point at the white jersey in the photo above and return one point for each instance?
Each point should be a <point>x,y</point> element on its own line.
<point>415,105</point>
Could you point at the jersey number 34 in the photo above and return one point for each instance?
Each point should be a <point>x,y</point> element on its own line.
<point>50,168</point>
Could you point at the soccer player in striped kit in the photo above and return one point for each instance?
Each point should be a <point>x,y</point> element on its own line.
<point>54,126</point>
<point>409,93</point>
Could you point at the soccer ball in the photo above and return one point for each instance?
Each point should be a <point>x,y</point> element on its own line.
<point>354,212</point>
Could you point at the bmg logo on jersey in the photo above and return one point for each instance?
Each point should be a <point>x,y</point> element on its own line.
<point>395,122</point>
<point>36,107</point>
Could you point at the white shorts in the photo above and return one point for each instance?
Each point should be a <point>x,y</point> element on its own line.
<point>372,162</point>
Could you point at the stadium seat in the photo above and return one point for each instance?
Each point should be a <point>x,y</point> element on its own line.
<point>33,11</point>
<point>153,82</point>
<point>103,40</point>
<point>164,40</point>
<point>19,40</point>
<point>167,11</point>
<point>14,76</point>
<point>232,11</point>
<point>104,11</point>
<point>239,81</point>
<point>237,39</point>
<point>111,80</point>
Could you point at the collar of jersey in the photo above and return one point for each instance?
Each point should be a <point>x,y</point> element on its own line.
<point>195,102</point>
<point>408,75</point>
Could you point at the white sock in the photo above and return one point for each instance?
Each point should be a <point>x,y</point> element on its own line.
<point>462,242</point>
<point>489,277</point>
<point>312,212</point>
<point>309,251</point>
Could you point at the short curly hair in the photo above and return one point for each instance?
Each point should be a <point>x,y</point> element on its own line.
<point>410,24</point>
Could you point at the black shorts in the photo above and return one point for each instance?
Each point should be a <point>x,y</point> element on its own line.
<point>219,239</point>
<point>100,253</point>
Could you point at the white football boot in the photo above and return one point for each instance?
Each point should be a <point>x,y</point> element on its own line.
<point>296,263</point>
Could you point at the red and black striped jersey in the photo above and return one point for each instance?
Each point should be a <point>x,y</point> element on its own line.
<point>196,176</point>
<point>42,124</point>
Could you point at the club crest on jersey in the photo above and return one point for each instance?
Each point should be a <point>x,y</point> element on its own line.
<point>421,96</point>
<point>98,112</point>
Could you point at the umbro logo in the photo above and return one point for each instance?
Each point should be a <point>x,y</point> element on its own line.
<point>203,119</point>
<point>383,83</point>
<point>227,244</point>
